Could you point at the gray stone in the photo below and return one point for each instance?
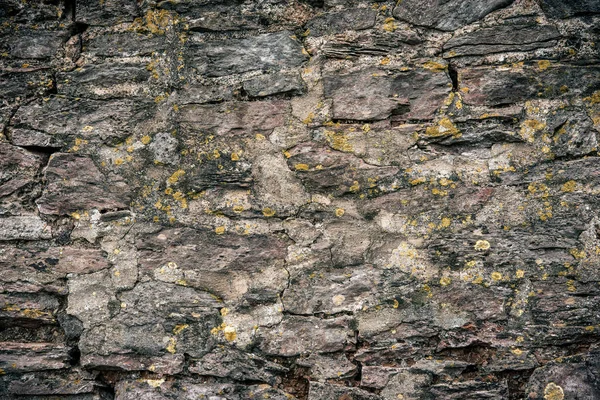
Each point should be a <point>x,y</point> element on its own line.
<point>271,51</point>
<point>446,15</point>
<point>502,39</point>
<point>332,23</point>
<point>74,183</point>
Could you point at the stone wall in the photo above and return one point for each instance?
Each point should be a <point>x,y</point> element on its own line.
<point>306,199</point>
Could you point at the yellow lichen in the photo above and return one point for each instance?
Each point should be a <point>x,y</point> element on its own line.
<point>339,212</point>
<point>443,128</point>
<point>301,167</point>
<point>434,66</point>
<point>569,186</point>
<point>445,222</point>
<point>176,176</point>
<point>219,230</point>
<point>154,382</point>
<point>553,392</point>
<point>594,98</point>
<point>171,345</point>
<point>520,273</point>
<point>338,140</point>
<point>445,281</point>
<point>497,276</point>
<point>180,328</point>
<point>389,25</point>
<point>578,254</point>
<point>543,64</point>
<point>482,245</point>
<point>338,299</point>
<point>268,212</point>
<point>229,333</point>
<point>235,157</point>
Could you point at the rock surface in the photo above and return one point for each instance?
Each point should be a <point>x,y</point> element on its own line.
<point>306,199</point>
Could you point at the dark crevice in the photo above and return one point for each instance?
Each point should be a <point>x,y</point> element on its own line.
<point>453,72</point>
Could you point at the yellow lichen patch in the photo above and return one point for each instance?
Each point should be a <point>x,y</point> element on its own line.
<point>385,61</point>
<point>219,230</point>
<point>338,299</point>
<point>146,139</point>
<point>171,345</point>
<point>338,140</point>
<point>396,304</point>
<point>578,254</point>
<point>154,382</point>
<point>553,392</point>
<point>301,167</point>
<point>444,127</point>
<point>235,157</point>
<point>155,21</point>
<point>229,333</point>
<point>569,186</point>
<point>543,64</point>
<point>434,66</point>
<point>180,328</point>
<point>594,98</point>
<point>355,186</point>
<point>87,128</point>
<point>445,281</point>
<point>389,25</point>
<point>238,209</point>
<point>224,311</point>
<point>529,127</point>
<point>259,137</point>
<point>482,245</point>
<point>417,181</point>
<point>497,276</point>
<point>517,352</point>
<point>339,212</point>
<point>268,212</point>
<point>309,118</point>
<point>119,161</point>
<point>176,176</point>
<point>445,222</point>
<point>520,273</point>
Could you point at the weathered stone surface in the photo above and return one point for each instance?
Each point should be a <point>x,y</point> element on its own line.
<point>230,363</point>
<point>27,357</point>
<point>75,183</point>
<point>376,94</point>
<point>59,121</point>
<point>502,39</point>
<point>272,51</point>
<point>19,168</point>
<point>448,15</point>
<point>332,23</point>
<point>268,85</point>
<point>559,9</point>
<point>107,12</point>
<point>113,80</point>
<point>330,391</point>
<point>304,199</point>
<point>495,86</point>
<point>36,45</point>
<point>24,228</point>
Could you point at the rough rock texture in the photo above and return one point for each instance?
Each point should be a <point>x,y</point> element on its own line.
<point>305,199</point>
